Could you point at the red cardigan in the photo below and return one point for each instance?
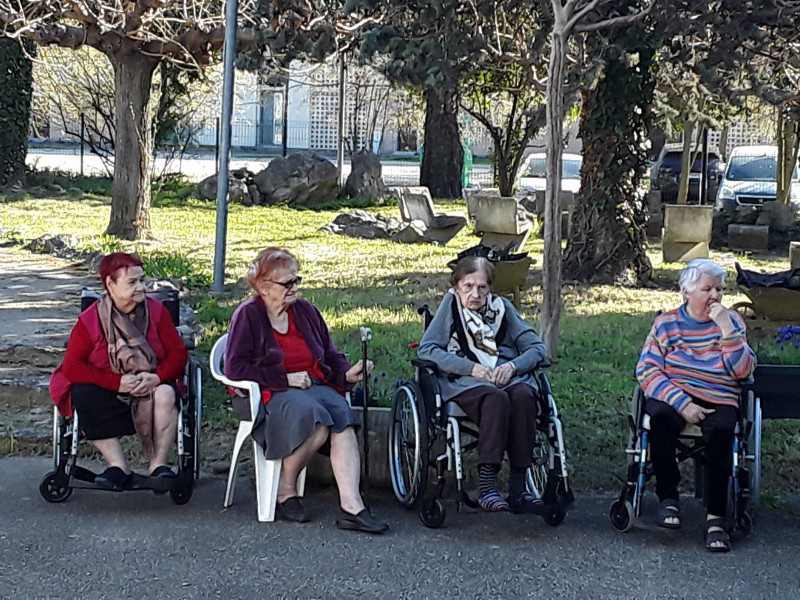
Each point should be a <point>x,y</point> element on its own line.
<point>86,357</point>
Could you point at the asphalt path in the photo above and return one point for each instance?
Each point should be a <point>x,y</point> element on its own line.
<point>138,545</point>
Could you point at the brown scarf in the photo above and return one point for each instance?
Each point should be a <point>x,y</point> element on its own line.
<point>130,353</point>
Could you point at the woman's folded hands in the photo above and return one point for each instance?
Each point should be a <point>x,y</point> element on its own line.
<point>498,376</point>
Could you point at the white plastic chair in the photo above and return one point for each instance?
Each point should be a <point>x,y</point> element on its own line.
<point>267,472</point>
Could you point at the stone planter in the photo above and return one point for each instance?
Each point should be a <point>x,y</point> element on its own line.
<point>687,232</point>
<point>794,255</point>
<point>380,419</point>
<point>510,277</point>
<point>748,237</point>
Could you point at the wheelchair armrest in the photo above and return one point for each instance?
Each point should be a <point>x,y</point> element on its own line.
<point>421,363</point>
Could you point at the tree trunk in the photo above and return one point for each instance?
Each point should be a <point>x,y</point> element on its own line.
<point>443,156</point>
<point>788,135</point>
<point>607,239</point>
<point>687,161</point>
<point>16,91</point>
<point>551,260</point>
<point>133,120</point>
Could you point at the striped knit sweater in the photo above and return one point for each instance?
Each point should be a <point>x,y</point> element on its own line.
<point>683,356</point>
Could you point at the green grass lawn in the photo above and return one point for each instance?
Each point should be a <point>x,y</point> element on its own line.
<point>381,284</point>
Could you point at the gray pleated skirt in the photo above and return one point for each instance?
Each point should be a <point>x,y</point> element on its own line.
<point>290,417</point>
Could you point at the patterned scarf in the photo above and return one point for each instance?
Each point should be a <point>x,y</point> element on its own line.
<point>478,330</point>
<point>130,353</point>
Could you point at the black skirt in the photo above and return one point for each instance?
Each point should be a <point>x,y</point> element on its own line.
<point>101,414</point>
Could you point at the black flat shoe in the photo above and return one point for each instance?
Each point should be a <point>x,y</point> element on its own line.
<point>292,510</point>
<point>162,472</point>
<point>363,521</point>
<point>113,478</point>
<point>527,504</point>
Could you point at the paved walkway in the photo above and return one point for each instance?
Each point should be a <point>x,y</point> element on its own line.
<point>136,545</point>
<point>39,298</point>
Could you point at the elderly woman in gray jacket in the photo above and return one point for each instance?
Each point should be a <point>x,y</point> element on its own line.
<point>486,355</point>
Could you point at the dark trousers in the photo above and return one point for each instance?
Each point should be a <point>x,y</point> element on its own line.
<point>506,422</point>
<point>718,427</point>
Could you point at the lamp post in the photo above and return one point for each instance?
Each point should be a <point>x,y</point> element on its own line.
<point>228,54</point>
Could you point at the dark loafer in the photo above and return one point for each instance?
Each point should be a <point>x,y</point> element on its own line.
<point>292,510</point>
<point>113,478</point>
<point>528,504</point>
<point>162,472</point>
<point>363,521</point>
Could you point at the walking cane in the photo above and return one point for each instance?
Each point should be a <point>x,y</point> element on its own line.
<point>366,336</point>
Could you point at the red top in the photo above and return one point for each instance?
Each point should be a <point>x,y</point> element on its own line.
<point>79,368</point>
<point>296,355</point>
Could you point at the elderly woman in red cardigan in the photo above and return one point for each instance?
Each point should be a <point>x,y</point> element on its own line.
<point>123,360</point>
<point>282,342</point>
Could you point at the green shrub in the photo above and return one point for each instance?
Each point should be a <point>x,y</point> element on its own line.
<point>170,265</point>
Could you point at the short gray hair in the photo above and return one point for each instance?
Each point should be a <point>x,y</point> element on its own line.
<point>696,269</point>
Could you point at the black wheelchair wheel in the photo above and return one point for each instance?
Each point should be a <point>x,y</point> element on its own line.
<point>433,514</point>
<point>196,391</point>
<point>182,493</point>
<point>408,444</point>
<point>621,515</point>
<point>52,491</point>
<point>555,516</point>
<point>538,472</point>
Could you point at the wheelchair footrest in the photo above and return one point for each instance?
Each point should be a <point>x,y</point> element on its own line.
<point>84,479</point>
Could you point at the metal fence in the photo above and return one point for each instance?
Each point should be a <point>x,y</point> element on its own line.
<point>200,162</point>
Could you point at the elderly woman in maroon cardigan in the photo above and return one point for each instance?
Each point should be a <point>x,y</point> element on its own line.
<point>282,342</point>
<point>122,363</point>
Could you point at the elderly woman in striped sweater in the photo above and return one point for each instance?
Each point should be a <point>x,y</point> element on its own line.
<point>691,369</point>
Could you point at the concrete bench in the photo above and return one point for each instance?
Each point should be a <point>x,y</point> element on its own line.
<point>416,204</point>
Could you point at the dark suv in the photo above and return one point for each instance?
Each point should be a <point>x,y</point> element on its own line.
<point>667,177</point>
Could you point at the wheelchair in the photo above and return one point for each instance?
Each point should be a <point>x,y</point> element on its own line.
<point>428,437</point>
<point>57,485</point>
<point>627,509</point>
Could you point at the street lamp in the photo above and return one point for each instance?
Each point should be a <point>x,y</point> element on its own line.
<point>228,55</point>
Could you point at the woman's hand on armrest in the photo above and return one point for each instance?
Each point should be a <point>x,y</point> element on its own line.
<point>300,380</point>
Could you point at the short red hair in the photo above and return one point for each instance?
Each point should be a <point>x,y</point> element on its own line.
<point>267,261</point>
<point>111,264</point>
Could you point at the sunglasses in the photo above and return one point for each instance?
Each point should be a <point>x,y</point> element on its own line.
<point>291,283</point>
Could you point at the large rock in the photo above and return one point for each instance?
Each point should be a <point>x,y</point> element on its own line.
<point>365,179</point>
<point>239,184</point>
<point>362,224</point>
<point>298,180</point>
<point>776,215</point>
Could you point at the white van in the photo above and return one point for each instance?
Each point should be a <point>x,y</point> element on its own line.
<point>749,178</point>
<point>532,174</point>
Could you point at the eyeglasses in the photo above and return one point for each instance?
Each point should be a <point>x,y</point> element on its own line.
<point>291,283</point>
